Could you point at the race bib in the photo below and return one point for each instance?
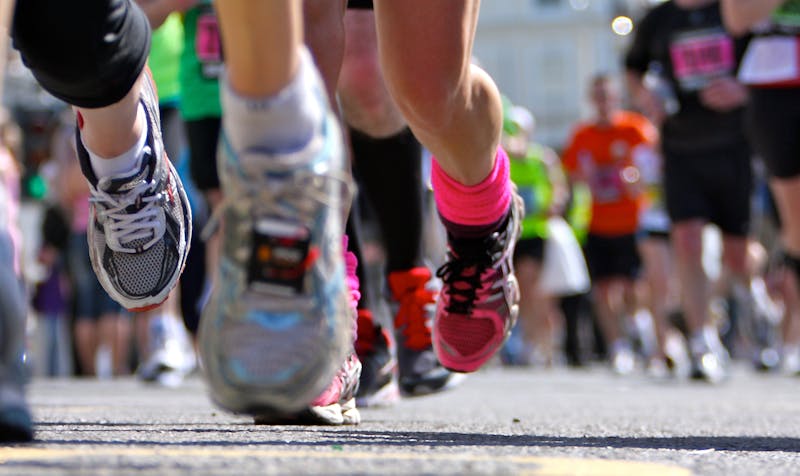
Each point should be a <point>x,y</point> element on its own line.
<point>208,46</point>
<point>771,59</point>
<point>699,56</point>
<point>606,185</point>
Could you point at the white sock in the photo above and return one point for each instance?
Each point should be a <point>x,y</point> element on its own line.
<point>127,161</point>
<point>284,122</point>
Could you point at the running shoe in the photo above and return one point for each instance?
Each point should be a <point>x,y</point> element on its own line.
<point>170,356</point>
<point>278,324</point>
<point>378,383</point>
<point>16,424</point>
<point>622,358</point>
<point>414,304</point>
<point>479,301</point>
<point>141,224</point>
<point>709,357</point>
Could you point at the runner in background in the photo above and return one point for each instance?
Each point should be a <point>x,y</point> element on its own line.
<point>537,173</point>
<point>602,154</point>
<point>707,170</point>
<point>771,71</point>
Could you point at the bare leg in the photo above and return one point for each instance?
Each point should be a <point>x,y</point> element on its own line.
<point>112,130</point>
<point>267,37</point>
<point>365,101</point>
<point>687,242</point>
<point>787,196</point>
<point>86,344</point>
<point>452,106</point>
<point>324,36</point>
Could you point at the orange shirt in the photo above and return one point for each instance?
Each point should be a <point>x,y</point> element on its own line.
<point>602,156</point>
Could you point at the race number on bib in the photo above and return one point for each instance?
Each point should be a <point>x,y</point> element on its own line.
<point>700,56</point>
<point>208,45</point>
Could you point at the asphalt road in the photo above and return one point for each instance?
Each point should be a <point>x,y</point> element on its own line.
<point>534,422</point>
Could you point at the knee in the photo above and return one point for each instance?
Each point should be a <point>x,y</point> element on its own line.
<point>687,241</point>
<point>426,98</point>
<point>366,103</point>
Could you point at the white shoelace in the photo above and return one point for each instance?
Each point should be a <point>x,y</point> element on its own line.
<point>126,227</point>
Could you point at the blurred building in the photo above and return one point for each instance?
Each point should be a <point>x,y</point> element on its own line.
<point>542,53</point>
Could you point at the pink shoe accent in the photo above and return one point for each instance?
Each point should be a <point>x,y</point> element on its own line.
<point>345,381</point>
<point>476,205</point>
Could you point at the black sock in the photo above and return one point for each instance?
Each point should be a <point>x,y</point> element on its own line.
<point>390,174</point>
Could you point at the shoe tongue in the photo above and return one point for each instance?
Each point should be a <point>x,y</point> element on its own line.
<point>125,182</point>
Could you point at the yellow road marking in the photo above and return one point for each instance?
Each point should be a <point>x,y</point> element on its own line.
<point>539,466</point>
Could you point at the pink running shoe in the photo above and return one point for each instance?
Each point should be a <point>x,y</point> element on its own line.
<point>478,304</point>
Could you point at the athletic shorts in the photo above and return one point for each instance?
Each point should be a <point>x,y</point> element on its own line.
<point>647,234</point>
<point>203,135</point>
<point>360,4</point>
<point>773,123</point>
<point>612,256</point>
<point>88,54</point>
<point>714,187</point>
<point>529,248</point>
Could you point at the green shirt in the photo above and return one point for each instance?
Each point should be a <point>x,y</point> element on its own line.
<point>201,63</point>
<point>531,176</point>
<point>165,53</point>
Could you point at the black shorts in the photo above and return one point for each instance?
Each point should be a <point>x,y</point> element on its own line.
<point>715,187</point>
<point>773,122</point>
<point>612,256</point>
<point>88,54</point>
<point>203,136</point>
<point>530,248</point>
<point>360,4</point>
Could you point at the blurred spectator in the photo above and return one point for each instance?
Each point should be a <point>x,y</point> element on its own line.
<point>601,153</point>
<point>50,299</point>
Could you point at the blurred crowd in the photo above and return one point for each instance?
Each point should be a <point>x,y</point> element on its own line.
<point>650,241</point>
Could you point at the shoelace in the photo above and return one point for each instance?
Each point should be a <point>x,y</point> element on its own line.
<point>465,267</point>
<point>297,196</point>
<point>463,276</point>
<point>125,226</point>
<point>412,317</point>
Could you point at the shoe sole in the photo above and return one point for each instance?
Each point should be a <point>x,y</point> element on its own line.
<point>421,389</point>
<point>336,414</point>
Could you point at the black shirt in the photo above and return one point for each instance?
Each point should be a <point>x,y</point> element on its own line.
<point>692,47</point>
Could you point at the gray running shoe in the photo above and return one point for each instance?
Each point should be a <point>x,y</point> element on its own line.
<point>279,323</point>
<point>141,223</point>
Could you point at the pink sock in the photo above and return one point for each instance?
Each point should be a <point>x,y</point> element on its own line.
<point>478,206</point>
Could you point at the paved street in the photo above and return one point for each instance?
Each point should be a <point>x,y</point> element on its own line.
<point>555,422</point>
